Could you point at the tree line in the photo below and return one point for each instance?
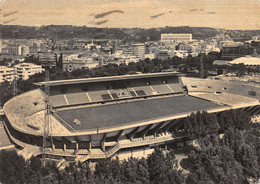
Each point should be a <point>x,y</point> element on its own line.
<point>159,167</point>
<point>228,149</point>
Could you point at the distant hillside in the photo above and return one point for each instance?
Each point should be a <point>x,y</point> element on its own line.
<point>59,32</point>
<point>128,34</point>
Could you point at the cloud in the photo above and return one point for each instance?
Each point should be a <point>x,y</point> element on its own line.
<point>10,13</point>
<point>8,21</point>
<point>101,15</point>
<point>157,15</point>
<point>101,22</point>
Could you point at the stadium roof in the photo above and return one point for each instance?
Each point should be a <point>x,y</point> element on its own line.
<point>105,79</point>
<point>221,62</point>
<point>248,60</point>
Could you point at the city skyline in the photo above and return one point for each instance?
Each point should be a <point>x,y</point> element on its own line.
<point>230,14</point>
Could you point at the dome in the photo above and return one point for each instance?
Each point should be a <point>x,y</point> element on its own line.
<point>247,60</point>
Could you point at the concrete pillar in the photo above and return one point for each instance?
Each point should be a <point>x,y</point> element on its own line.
<point>118,135</point>
<point>144,131</point>
<point>166,127</point>
<point>131,134</point>
<point>258,111</point>
<point>64,147</point>
<point>255,110</point>
<point>155,129</point>
<point>90,142</point>
<point>175,123</point>
<point>102,143</point>
<point>53,146</point>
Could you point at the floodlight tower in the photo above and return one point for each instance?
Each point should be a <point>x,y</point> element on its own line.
<point>47,122</point>
<point>201,66</point>
<point>14,83</point>
<point>202,62</point>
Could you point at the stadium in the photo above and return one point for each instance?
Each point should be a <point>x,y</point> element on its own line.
<point>96,118</point>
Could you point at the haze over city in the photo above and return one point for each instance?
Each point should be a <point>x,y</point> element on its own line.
<point>228,14</point>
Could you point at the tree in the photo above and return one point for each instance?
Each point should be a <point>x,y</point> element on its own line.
<point>162,168</point>
<point>244,151</point>
<point>12,167</point>
<point>5,91</point>
<point>214,164</point>
<point>60,62</point>
<point>201,124</point>
<point>234,119</point>
<point>108,171</point>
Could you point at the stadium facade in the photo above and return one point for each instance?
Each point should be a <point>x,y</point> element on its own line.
<point>95,118</point>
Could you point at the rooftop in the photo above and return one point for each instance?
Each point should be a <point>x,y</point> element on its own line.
<point>106,79</point>
<point>248,60</point>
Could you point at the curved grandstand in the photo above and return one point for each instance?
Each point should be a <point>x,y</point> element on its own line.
<point>97,118</point>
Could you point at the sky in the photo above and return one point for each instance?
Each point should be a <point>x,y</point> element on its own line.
<point>227,14</point>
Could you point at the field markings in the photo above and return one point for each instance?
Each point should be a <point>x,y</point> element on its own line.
<point>170,88</point>
<point>134,91</point>
<point>110,94</point>
<point>152,88</point>
<point>88,97</point>
<point>66,99</point>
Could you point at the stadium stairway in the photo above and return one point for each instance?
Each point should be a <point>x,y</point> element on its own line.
<point>99,154</point>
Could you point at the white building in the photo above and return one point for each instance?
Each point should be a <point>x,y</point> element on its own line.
<point>149,56</point>
<point>79,63</point>
<point>18,50</point>
<point>25,50</point>
<point>14,50</point>
<point>6,74</point>
<point>255,38</point>
<point>139,50</point>
<point>25,70</point>
<point>181,54</point>
<point>176,37</point>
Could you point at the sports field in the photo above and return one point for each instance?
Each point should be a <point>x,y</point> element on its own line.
<point>118,114</point>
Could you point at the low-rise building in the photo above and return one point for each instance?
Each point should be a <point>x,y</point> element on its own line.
<point>79,63</point>
<point>14,50</point>
<point>6,74</point>
<point>139,50</point>
<point>24,70</point>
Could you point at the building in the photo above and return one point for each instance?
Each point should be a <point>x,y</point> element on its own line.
<point>18,50</point>
<point>230,53</point>
<point>98,118</point>
<point>6,74</point>
<point>0,46</point>
<point>15,50</point>
<point>176,37</point>
<point>149,56</point>
<point>25,70</point>
<point>139,50</point>
<point>163,55</point>
<point>255,38</point>
<point>79,63</point>
<point>183,46</point>
<point>25,50</point>
<point>181,53</point>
